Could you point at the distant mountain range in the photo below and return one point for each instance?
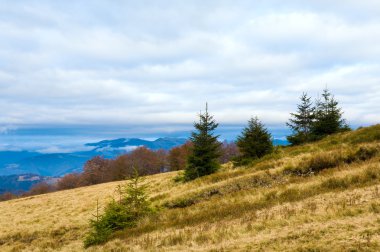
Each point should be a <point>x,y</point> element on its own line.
<point>165,143</point>
<point>58,164</point>
<point>14,164</point>
<point>18,184</point>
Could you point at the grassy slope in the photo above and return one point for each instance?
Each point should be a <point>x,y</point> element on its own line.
<point>261,207</point>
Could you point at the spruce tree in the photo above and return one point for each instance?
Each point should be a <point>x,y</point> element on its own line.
<point>328,116</point>
<point>255,141</point>
<point>301,121</point>
<point>204,156</point>
<point>133,204</point>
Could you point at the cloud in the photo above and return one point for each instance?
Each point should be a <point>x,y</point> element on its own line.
<point>63,149</point>
<point>7,147</point>
<point>158,62</point>
<point>6,129</point>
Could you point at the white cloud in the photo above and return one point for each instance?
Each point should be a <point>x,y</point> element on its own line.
<point>155,62</point>
<point>6,129</point>
<point>63,149</point>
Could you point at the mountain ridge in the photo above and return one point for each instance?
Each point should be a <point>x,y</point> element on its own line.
<point>59,164</point>
<point>24,163</point>
<point>21,183</point>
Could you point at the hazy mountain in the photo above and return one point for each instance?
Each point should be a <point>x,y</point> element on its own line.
<point>165,143</point>
<point>58,164</point>
<point>21,183</point>
<point>8,157</point>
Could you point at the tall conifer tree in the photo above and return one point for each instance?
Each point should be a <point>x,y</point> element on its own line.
<point>328,116</point>
<point>203,159</point>
<point>255,141</point>
<point>302,121</point>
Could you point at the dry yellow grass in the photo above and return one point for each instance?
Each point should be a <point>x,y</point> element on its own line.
<point>56,221</point>
<point>257,208</point>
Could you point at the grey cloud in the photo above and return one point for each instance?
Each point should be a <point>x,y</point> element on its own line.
<point>156,62</point>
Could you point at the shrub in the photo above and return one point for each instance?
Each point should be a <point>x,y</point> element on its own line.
<point>69,181</point>
<point>7,196</point>
<point>133,204</point>
<point>314,164</point>
<point>365,153</point>
<point>335,183</point>
<point>180,203</point>
<point>100,230</point>
<point>290,194</point>
<point>241,161</point>
<point>323,161</point>
<point>41,188</point>
<point>179,178</point>
<point>327,160</point>
<point>370,174</point>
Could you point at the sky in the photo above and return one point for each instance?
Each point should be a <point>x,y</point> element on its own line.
<point>101,69</point>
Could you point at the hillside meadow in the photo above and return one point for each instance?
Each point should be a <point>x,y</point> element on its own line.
<point>323,196</point>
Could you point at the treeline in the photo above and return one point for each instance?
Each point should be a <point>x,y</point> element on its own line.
<point>203,153</point>
<point>147,162</point>
<point>311,122</point>
<point>143,160</point>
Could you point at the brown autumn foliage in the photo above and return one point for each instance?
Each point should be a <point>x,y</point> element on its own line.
<point>95,171</point>
<point>41,188</point>
<point>177,157</point>
<point>229,150</point>
<point>7,196</point>
<point>69,181</point>
<point>147,162</point>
